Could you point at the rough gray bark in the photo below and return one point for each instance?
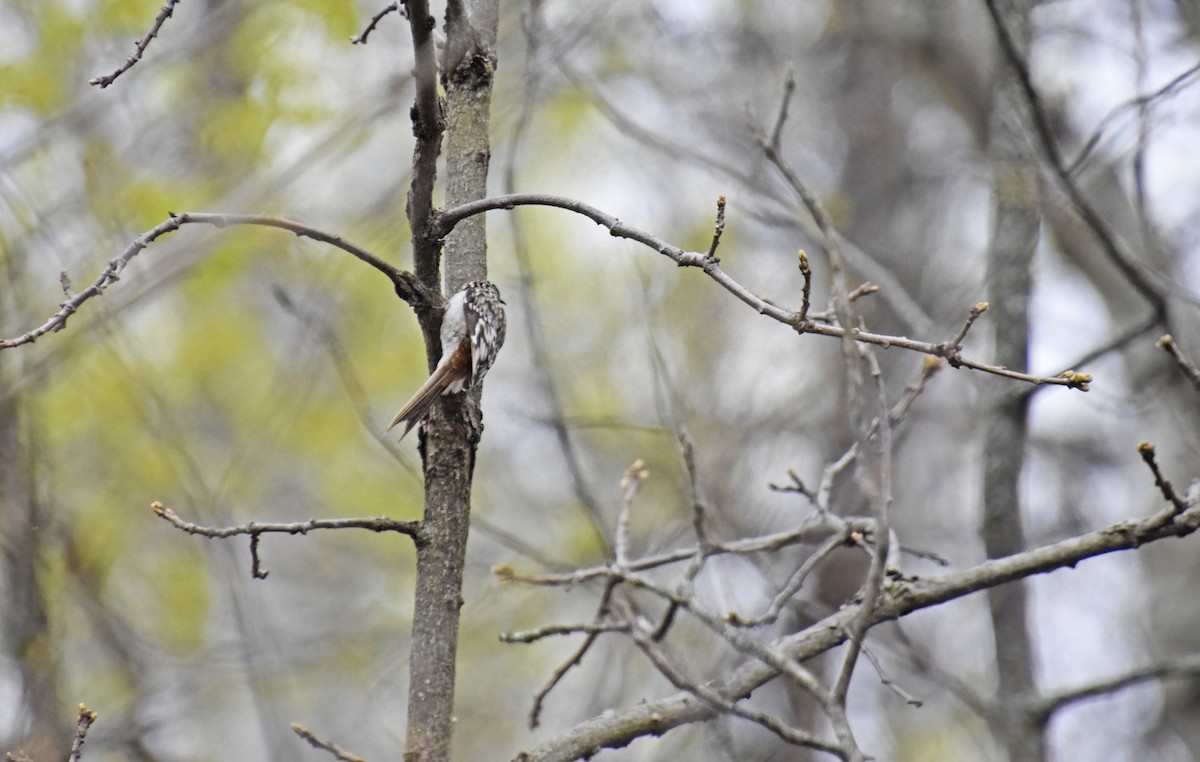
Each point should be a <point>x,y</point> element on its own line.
<point>454,427</point>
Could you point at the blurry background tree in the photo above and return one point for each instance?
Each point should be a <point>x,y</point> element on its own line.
<point>1037,156</point>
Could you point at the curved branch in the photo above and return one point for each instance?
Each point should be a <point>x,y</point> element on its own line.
<point>139,47</point>
<point>445,220</point>
<point>1183,667</point>
<point>406,285</point>
<point>361,37</point>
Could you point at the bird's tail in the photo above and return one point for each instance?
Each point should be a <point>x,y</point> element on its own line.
<point>416,408</point>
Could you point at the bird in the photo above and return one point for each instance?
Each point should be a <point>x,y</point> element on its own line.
<point>472,334</point>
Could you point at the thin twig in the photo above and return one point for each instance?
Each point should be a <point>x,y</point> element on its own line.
<point>1173,86</point>
<point>842,307</point>
<point>617,729</point>
<point>664,626</point>
<point>806,291</point>
<point>1113,248</point>
<point>887,682</point>
<point>718,229</point>
<point>256,530</point>
<point>739,639</point>
<point>1147,324</point>
<point>775,608</point>
<point>687,452</point>
<point>1189,368</point>
<point>816,529</point>
<point>1143,124</point>
<point>257,570</point>
<point>82,725</point>
<point>317,743</point>
<point>789,89</point>
<point>658,657</point>
<point>553,630</point>
<point>1146,450</point>
<point>897,414</point>
<point>139,48</point>
<point>797,486</point>
<point>1185,666</point>
<point>361,38</point>
<point>631,483</point>
<point>881,500</point>
<point>866,289</point>
<point>576,658</point>
<point>931,668</point>
<point>445,220</point>
<point>954,346</point>
<point>406,286</point>
<point>376,524</point>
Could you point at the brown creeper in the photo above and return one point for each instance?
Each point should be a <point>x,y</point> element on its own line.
<point>472,333</point>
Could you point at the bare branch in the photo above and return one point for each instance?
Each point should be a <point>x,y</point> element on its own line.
<point>377,524</point>
<point>361,38</point>
<point>718,229</point>
<point>82,725</point>
<point>899,598</point>
<point>887,682</point>
<point>445,220</point>
<point>880,434</point>
<point>1185,79</point>
<point>1146,450</point>
<point>687,451</point>
<point>796,486</point>
<point>631,483</point>
<point>727,628</point>
<point>806,292</point>
<point>407,287</point>
<point>816,529</point>
<point>954,346</point>
<point>139,47</point>
<point>866,289</point>
<point>789,89</point>
<point>1183,667</point>
<point>897,414</point>
<point>1109,242</point>
<point>709,695</point>
<point>255,530</point>
<point>1189,368</point>
<point>576,658</point>
<point>338,753</point>
<point>775,608</point>
<point>552,630</point>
